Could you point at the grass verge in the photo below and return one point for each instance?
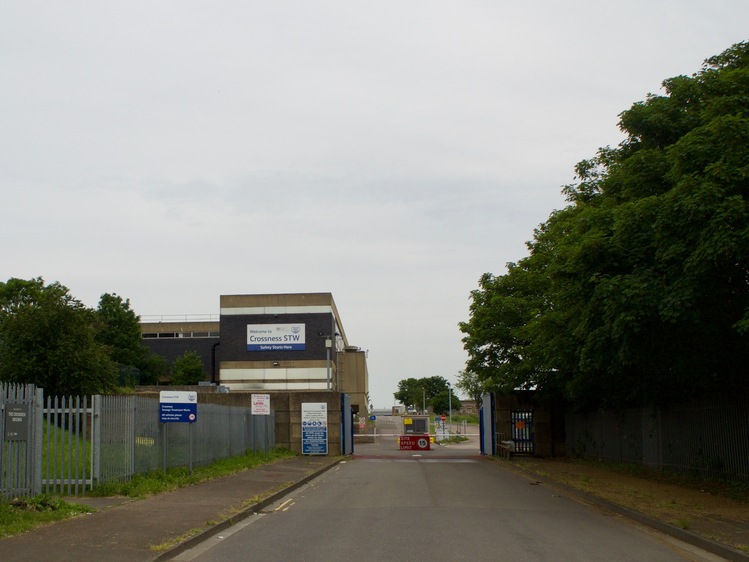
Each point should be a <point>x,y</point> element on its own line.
<point>715,510</point>
<point>21,515</point>
<point>158,481</point>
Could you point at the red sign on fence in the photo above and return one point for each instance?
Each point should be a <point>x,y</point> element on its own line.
<point>414,442</point>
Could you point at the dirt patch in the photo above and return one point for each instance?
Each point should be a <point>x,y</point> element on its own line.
<point>712,510</point>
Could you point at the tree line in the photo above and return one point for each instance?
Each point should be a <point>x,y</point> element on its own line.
<point>432,393</point>
<point>636,292</point>
<point>52,340</point>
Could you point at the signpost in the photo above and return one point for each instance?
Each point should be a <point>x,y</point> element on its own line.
<point>261,404</point>
<point>178,406</point>
<point>414,442</point>
<point>440,428</point>
<point>16,422</point>
<point>314,428</point>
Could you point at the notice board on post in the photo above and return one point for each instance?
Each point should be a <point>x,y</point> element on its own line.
<point>260,405</point>
<point>178,406</point>
<point>314,428</point>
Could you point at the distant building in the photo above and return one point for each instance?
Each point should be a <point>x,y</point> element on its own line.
<point>282,342</point>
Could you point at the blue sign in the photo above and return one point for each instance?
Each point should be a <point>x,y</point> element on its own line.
<point>372,418</point>
<point>178,406</point>
<point>314,428</point>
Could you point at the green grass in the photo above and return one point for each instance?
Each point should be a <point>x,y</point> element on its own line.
<point>20,516</point>
<point>738,491</point>
<point>454,439</point>
<point>63,451</point>
<point>158,481</point>
<point>471,419</point>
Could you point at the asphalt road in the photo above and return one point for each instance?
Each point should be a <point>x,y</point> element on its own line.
<point>444,504</point>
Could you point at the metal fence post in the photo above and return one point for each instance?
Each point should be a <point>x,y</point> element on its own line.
<point>133,414</point>
<point>37,435</point>
<point>95,439</point>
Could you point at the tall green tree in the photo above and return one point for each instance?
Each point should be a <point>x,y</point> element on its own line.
<point>638,291</point>
<point>48,338</point>
<point>188,369</point>
<point>119,330</point>
<point>442,402</point>
<point>414,392</point>
<point>469,382</point>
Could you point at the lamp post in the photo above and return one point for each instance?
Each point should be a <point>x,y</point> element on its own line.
<point>423,402</point>
<point>328,346</point>
<point>450,407</point>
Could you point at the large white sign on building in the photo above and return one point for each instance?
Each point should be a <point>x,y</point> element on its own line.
<point>275,337</point>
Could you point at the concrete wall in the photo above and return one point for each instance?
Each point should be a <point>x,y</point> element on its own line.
<point>548,423</point>
<point>353,378</point>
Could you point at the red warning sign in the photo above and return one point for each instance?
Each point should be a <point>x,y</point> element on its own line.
<point>414,442</point>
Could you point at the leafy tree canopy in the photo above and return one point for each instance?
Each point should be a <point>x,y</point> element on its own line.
<point>413,392</point>
<point>119,330</point>
<point>442,403</point>
<point>188,369</point>
<point>470,383</point>
<point>48,338</point>
<point>637,292</point>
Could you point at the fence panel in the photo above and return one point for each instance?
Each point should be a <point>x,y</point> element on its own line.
<point>134,441</point>
<point>709,438</point>
<point>67,445</point>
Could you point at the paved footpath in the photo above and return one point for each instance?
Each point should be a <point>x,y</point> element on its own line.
<point>128,530</point>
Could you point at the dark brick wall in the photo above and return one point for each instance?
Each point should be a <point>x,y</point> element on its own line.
<point>234,341</point>
<point>171,348</point>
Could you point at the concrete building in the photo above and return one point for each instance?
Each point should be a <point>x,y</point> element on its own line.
<point>277,342</point>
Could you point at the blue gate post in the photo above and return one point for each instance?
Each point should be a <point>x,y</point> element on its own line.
<point>487,427</point>
<point>347,425</point>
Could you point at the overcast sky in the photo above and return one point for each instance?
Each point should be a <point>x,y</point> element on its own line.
<point>386,152</point>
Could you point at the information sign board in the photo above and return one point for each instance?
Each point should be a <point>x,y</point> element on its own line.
<point>178,406</point>
<point>414,442</point>
<point>276,337</point>
<point>261,404</point>
<point>16,422</point>
<point>314,428</point>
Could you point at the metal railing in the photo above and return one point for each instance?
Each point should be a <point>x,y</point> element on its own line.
<point>155,318</point>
